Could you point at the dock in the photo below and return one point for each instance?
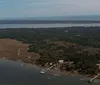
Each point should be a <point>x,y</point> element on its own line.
<point>94,78</point>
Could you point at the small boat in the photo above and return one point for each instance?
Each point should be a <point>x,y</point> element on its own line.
<point>82,79</point>
<point>42,71</point>
<point>49,77</point>
<point>22,64</point>
<point>46,70</point>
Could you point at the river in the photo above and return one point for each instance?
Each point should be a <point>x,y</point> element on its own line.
<point>13,73</point>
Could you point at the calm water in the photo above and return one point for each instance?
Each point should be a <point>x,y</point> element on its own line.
<point>12,73</point>
<point>44,25</point>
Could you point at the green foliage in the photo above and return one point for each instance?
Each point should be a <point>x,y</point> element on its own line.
<point>44,42</point>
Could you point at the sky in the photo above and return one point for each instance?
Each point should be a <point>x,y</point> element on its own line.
<point>42,8</point>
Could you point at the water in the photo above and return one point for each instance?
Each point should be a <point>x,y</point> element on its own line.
<point>44,25</point>
<point>12,73</point>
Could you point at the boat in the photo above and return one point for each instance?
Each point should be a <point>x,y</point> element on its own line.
<point>42,71</point>
<point>82,79</point>
<point>22,64</point>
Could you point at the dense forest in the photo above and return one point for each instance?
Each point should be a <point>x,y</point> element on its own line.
<point>78,44</point>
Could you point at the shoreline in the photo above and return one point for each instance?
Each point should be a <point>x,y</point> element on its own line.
<point>11,47</point>
<point>55,72</point>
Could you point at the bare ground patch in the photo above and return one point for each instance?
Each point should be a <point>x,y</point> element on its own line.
<point>15,50</point>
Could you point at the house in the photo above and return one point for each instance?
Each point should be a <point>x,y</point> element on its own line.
<point>98,66</point>
<point>61,61</point>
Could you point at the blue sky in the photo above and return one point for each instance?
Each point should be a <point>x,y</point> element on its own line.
<point>42,8</point>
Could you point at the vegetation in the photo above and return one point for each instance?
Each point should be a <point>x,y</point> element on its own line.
<point>78,44</point>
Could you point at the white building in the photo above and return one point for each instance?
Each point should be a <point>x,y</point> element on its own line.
<point>98,66</point>
<point>61,61</point>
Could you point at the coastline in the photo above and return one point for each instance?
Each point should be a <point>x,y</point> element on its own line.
<point>60,74</point>
<point>55,72</point>
<point>9,48</point>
